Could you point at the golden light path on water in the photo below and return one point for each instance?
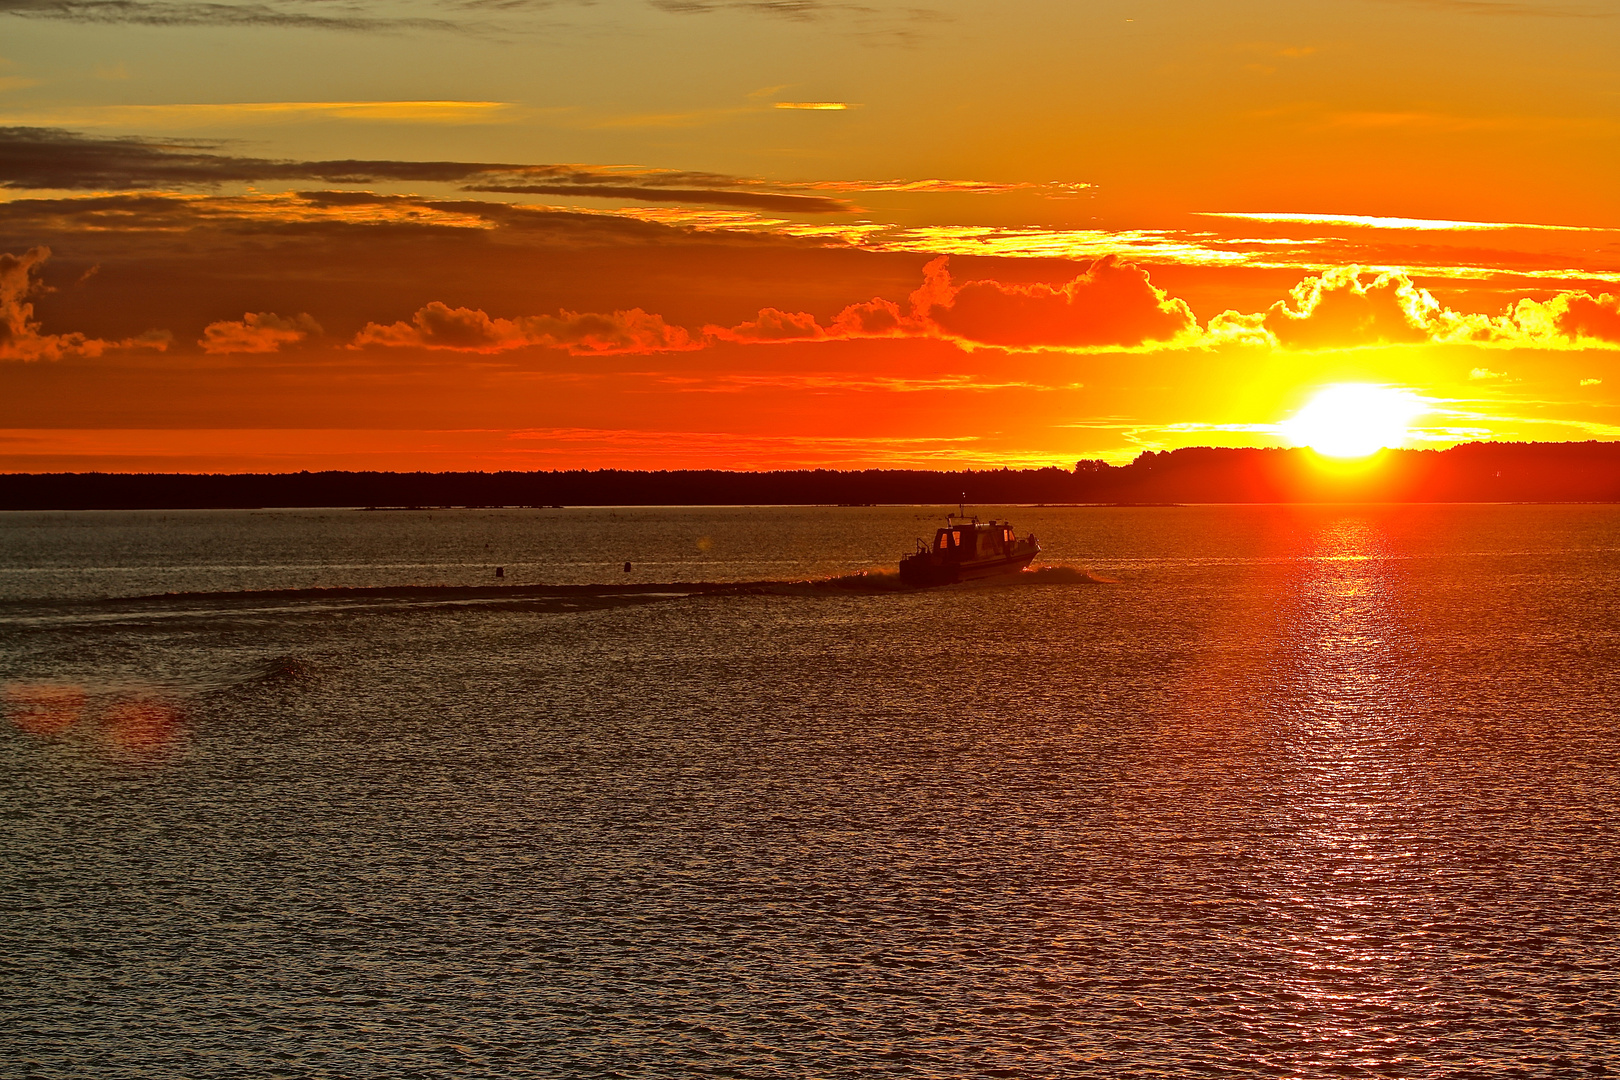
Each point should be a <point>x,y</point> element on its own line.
<point>1345,670</point>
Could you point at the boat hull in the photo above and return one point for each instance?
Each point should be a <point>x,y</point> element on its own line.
<point>925,569</point>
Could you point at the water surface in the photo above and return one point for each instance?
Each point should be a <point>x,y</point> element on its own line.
<point>1301,792</point>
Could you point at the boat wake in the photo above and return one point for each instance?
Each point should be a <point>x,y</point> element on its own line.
<point>880,581</point>
<point>338,601</point>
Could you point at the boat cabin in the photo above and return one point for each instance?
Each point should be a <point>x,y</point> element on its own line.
<point>975,540</point>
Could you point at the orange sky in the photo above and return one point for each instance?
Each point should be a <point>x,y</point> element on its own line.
<point>447,234</point>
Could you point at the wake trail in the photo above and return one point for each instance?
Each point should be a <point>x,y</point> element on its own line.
<point>542,598</point>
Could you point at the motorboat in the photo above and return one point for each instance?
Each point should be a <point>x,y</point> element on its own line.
<point>967,549</point>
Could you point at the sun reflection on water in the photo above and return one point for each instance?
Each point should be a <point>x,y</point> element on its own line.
<point>1351,851</point>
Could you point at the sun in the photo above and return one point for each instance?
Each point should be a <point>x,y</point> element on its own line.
<point>1350,420</point>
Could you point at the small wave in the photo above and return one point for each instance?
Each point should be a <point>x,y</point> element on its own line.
<point>285,669</point>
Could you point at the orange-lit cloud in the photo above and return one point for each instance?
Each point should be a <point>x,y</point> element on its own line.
<point>1350,307</point>
<point>439,326</point>
<point>20,334</point>
<point>1345,307</point>
<point>771,325</point>
<point>1578,316</point>
<point>264,332</point>
<point>1111,305</point>
<point>874,318</point>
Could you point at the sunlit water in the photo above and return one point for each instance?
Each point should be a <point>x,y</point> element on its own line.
<point>1297,792</point>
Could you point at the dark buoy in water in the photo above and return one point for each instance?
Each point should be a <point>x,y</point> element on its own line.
<point>627,568</point>
<point>500,571</point>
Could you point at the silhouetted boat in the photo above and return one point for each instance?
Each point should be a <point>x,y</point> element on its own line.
<point>965,550</point>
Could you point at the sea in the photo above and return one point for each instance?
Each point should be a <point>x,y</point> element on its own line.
<point>1242,791</point>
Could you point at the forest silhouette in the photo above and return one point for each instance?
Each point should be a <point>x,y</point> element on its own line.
<point>1472,472</point>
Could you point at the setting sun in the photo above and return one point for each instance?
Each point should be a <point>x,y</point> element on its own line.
<point>1351,420</point>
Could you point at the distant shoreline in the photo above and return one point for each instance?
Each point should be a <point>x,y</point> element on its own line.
<point>1586,472</point>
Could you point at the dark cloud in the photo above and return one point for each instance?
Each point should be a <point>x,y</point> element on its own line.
<point>860,19</point>
<point>56,159</point>
<point>168,13</point>
<point>875,24</point>
<point>754,200</point>
<point>53,158</point>
<point>785,9</point>
<point>588,333</point>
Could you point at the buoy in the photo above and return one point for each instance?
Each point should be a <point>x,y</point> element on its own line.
<point>627,568</point>
<point>500,571</point>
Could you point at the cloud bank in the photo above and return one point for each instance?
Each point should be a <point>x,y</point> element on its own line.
<point>1111,305</point>
<point>56,159</point>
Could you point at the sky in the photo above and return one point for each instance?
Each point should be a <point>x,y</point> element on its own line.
<point>534,234</point>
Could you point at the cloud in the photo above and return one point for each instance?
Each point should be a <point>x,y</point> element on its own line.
<point>772,325</point>
<point>439,326</point>
<point>1053,189</point>
<point>1579,316</point>
<point>20,337</point>
<point>1342,307</point>
<point>876,317</point>
<point>265,332</point>
<point>57,159</point>
<point>173,13</point>
<point>1351,307</point>
<point>799,204</point>
<point>1366,221</point>
<point>52,158</point>
<point>232,112</point>
<point>1111,305</point>
<point>904,24</point>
